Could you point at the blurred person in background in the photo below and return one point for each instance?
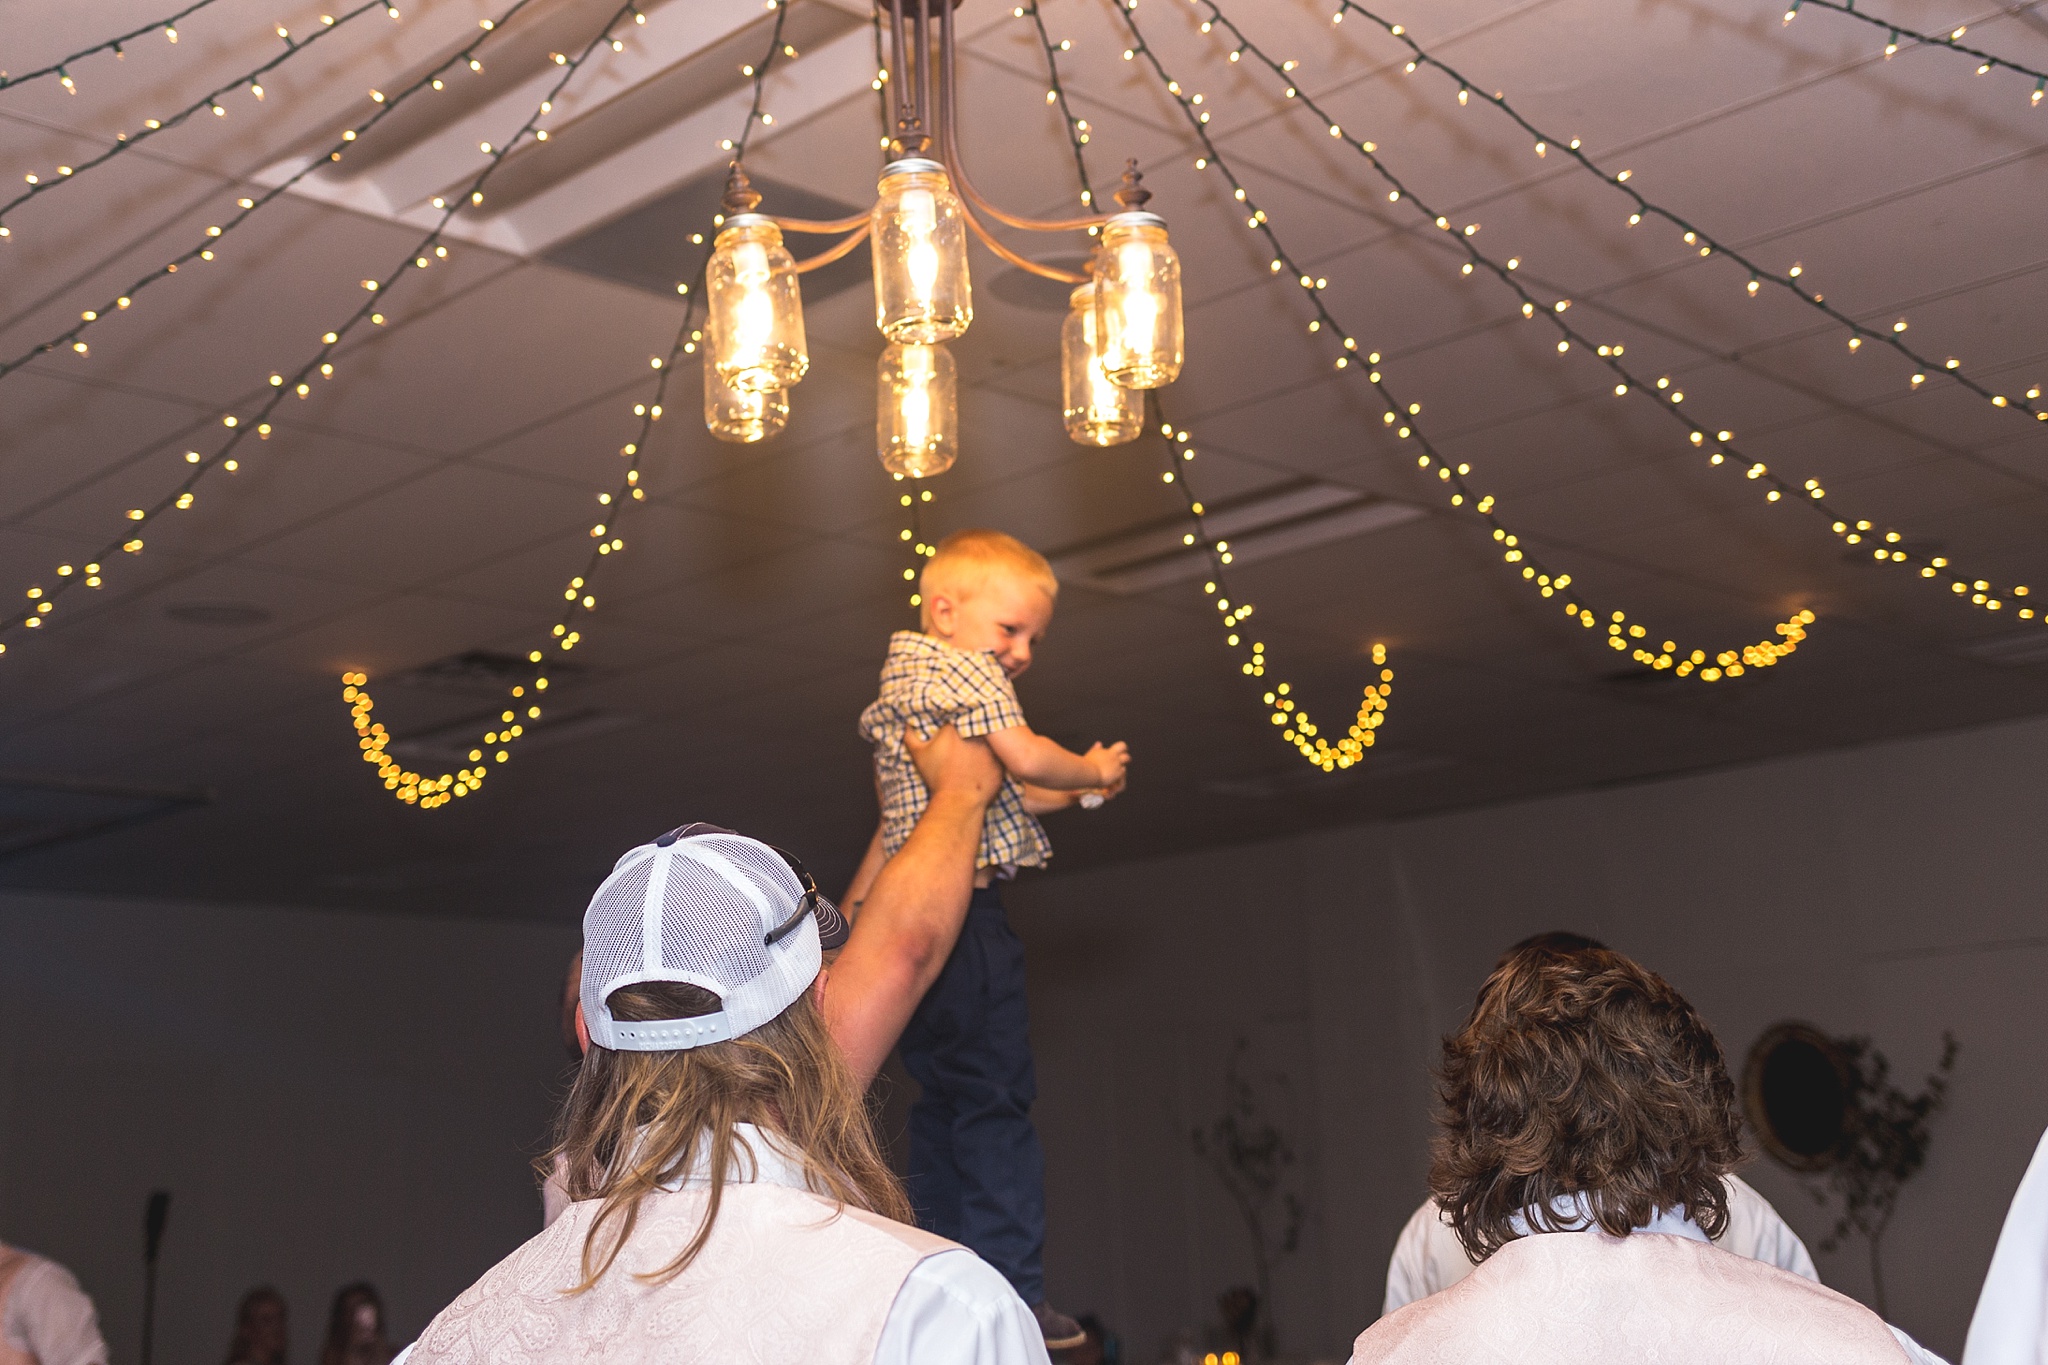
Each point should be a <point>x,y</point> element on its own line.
<point>45,1318</point>
<point>355,1328</point>
<point>261,1331</point>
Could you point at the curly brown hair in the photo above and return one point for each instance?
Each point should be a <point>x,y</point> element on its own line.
<point>1580,1073</point>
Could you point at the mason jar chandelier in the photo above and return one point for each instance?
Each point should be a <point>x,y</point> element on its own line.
<point>1122,333</point>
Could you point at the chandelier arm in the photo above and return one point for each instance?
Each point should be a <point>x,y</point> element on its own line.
<point>820,227</point>
<point>1049,272</point>
<point>835,251</point>
<point>949,153</point>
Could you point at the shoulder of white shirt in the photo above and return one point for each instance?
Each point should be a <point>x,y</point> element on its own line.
<point>961,1280</point>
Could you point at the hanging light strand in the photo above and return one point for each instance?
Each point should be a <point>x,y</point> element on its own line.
<point>1077,129</point>
<point>579,596</point>
<point>1296,727</point>
<point>1889,545</point>
<point>247,207</point>
<point>523,699</point>
<point>1891,335</point>
<point>914,506</point>
<point>429,247</point>
<point>1622,633</point>
<point>1284,710</point>
<point>167,24</point>
<point>1986,62</point>
<point>250,80</point>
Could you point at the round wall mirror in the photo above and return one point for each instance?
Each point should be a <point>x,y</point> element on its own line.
<point>1796,1087</point>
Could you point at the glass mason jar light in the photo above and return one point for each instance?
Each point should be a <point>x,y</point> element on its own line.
<point>754,331</point>
<point>919,238</point>
<point>917,411</point>
<point>733,414</point>
<point>1137,302</point>
<point>1098,412</point>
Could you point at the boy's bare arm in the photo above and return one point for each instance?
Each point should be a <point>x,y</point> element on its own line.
<point>1031,757</point>
<point>915,905</point>
<point>1045,801</point>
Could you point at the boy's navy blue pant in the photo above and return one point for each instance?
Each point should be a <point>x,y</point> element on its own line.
<point>977,1174</point>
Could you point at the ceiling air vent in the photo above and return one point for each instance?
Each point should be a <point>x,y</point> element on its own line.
<point>38,811</point>
<point>2027,647</point>
<point>1265,525</point>
<point>650,247</point>
<point>452,740</point>
<point>481,672</point>
<point>1300,779</point>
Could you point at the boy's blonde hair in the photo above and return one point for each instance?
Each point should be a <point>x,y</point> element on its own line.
<point>967,559</point>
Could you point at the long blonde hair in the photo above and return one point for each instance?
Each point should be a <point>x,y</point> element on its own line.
<point>636,1120</point>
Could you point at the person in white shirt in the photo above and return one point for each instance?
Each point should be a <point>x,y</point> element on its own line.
<point>1585,1133</point>
<point>1429,1258</point>
<point>45,1317</point>
<point>2010,1326</point>
<point>727,1198</point>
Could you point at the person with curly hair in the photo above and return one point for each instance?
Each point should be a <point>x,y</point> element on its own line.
<point>1586,1130</point>
<point>1429,1258</point>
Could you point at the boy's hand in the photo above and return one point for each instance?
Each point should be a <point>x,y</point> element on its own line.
<point>1110,762</point>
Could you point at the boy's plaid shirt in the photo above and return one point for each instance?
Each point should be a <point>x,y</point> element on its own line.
<point>927,683</point>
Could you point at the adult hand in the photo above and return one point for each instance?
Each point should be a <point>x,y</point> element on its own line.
<point>960,767</point>
<point>912,913</point>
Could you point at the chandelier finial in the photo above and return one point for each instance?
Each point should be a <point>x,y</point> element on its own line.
<point>740,194</point>
<point>1132,194</point>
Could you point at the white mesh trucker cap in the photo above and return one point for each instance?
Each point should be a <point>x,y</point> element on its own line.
<point>707,907</point>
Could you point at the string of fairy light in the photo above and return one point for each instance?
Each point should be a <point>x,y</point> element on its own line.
<point>1297,728</point>
<point>1986,62</point>
<point>429,249</point>
<point>168,26</point>
<point>579,594</point>
<point>1789,280</point>
<point>1889,545</point>
<point>1622,633</point>
<point>251,80</point>
<point>914,506</point>
<point>204,250</point>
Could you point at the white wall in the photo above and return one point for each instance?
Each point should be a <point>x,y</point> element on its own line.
<point>328,1097</point>
<point>1893,890</point>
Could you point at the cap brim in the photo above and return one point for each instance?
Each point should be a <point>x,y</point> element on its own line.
<point>832,926</point>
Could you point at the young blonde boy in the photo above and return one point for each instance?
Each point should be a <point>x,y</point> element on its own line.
<point>977,1174</point>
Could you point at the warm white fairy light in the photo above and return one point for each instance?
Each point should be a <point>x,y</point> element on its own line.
<point>320,363</point>
<point>426,793</point>
<point>1691,233</point>
<point>1776,489</point>
<point>1622,633</point>
<point>211,102</point>
<point>248,207</point>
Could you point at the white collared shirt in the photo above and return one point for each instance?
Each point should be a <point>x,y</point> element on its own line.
<point>953,1308</point>
<point>1428,1256</point>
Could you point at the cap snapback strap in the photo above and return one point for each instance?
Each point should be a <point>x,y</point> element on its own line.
<point>666,1035</point>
